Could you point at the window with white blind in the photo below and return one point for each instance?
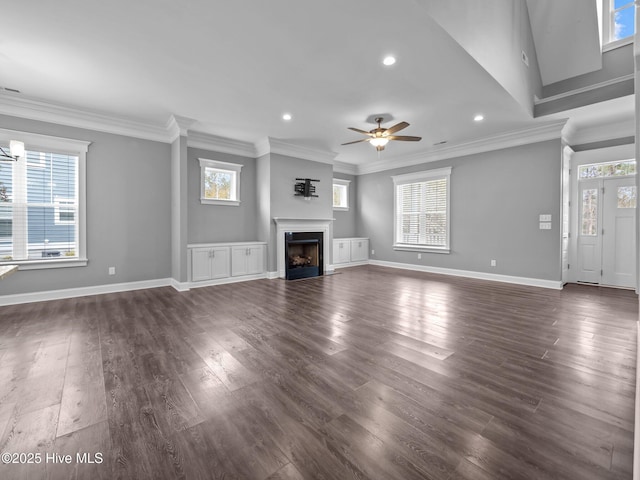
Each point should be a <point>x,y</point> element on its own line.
<point>422,211</point>
<point>42,203</point>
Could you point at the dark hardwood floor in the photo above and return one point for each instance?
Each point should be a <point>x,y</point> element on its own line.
<point>372,373</point>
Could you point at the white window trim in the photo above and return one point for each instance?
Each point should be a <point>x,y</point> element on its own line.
<point>68,146</point>
<point>224,166</point>
<point>416,177</point>
<point>344,183</point>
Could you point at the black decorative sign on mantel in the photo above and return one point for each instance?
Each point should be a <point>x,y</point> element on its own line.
<point>305,188</point>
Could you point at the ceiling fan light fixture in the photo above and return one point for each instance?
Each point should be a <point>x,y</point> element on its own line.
<point>379,142</point>
<point>16,148</point>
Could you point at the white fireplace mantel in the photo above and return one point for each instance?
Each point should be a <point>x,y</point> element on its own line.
<point>287,224</point>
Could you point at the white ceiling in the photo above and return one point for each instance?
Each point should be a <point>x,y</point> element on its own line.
<point>236,67</point>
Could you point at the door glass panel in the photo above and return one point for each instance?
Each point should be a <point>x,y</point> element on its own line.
<point>627,197</point>
<point>589,219</point>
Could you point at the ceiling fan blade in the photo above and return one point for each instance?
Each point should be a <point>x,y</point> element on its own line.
<point>404,138</point>
<point>357,141</point>
<point>364,132</point>
<point>395,128</point>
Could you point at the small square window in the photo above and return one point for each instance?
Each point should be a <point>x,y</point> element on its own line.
<point>219,182</point>
<point>341,194</point>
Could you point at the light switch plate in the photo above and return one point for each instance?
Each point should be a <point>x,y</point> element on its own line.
<point>545,225</point>
<point>545,217</point>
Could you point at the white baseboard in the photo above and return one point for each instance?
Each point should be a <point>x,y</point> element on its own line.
<point>350,264</point>
<point>222,281</point>
<point>533,282</point>
<point>83,291</point>
<point>272,275</point>
<point>180,286</point>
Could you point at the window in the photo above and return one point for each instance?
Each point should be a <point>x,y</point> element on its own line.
<point>589,219</point>
<point>619,21</point>
<point>341,194</point>
<point>619,168</point>
<point>219,182</point>
<point>422,211</point>
<point>65,211</point>
<point>42,199</point>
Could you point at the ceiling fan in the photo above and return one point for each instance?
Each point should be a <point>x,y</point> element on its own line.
<point>379,137</point>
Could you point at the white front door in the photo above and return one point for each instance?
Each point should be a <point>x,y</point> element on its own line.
<point>606,232</point>
<point>619,230</point>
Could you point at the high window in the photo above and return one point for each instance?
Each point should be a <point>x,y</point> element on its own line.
<point>42,203</point>
<point>422,213</point>
<point>619,21</point>
<point>341,194</point>
<point>219,182</point>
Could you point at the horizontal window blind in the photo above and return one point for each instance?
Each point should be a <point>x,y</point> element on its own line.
<point>422,213</point>
<point>39,207</point>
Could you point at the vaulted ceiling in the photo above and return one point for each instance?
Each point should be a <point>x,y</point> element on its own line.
<point>236,67</point>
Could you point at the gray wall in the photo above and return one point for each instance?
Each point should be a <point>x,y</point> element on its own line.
<point>128,212</point>
<point>496,198</point>
<point>220,223</point>
<point>344,225</point>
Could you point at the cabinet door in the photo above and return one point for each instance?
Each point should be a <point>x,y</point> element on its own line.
<point>341,251</point>
<point>359,250</point>
<point>255,259</point>
<point>200,264</point>
<point>239,261</point>
<point>219,262</point>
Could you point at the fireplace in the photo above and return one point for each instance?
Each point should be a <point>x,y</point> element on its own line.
<point>303,254</point>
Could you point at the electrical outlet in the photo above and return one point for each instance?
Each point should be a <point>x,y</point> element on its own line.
<point>373,252</point>
<point>112,270</point>
<point>493,263</point>
<point>419,256</point>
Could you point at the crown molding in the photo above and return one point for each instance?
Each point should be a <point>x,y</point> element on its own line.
<point>607,131</point>
<point>515,138</point>
<point>215,143</point>
<point>72,117</point>
<point>342,167</point>
<point>274,145</point>
<point>178,126</point>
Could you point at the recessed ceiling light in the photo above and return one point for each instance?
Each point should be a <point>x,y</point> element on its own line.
<point>287,116</point>
<point>388,61</point>
<point>478,118</point>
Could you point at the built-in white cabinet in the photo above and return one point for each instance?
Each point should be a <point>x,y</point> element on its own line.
<point>247,260</point>
<point>359,249</point>
<point>350,251</point>
<point>215,262</point>
<point>341,251</point>
<point>209,263</point>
